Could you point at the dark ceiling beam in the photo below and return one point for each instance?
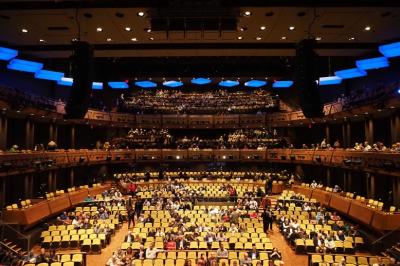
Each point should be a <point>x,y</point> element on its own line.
<point>65,4</point>
<point>188,46</point>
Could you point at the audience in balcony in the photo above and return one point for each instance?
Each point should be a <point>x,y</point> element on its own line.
<point>212,102</point>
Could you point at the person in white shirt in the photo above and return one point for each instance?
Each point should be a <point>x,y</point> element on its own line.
<point>151,251</point>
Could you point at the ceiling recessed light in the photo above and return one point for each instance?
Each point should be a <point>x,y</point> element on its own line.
<point>351,39</point>
<point>134,39</point>
<point>151,38</point>
<point>291,28</point>
<point>128,28</point>
<point>99,29</point>
<point>24,31</point>
<point>140,14</point>
<point>263,28</point>
<point>318,38</point>
<point>367,28</point>
<point>109,39</point>
<point>258,38</point>
<point>247,13</point>
<point>283,38</point>
<point>240,37</point>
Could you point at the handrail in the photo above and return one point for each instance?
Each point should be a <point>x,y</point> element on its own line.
<point>19,234</point>
<point>385,235</point>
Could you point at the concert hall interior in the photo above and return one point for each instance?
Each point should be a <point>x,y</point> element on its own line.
<point>207,133</point>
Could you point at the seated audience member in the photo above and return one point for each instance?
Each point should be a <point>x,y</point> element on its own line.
<point>253,253</point>
<point>246,260</point>
<point>222,252</point>
<point>151,251</point>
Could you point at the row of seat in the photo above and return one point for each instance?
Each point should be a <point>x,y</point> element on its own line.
<point>72,241</point>
<point>181,262</point>
<point>191,174</point>
<point>261,244</point>
<point>307,246</point>
<point>317,259</point>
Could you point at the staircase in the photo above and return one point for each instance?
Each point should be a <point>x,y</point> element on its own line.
<point>12,247</point>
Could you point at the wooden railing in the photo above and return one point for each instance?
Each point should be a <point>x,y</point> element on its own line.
<point>383,162</point>
<point>360,212</point>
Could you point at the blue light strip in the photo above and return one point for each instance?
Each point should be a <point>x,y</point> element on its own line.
<point>49,75</point>
<point>333,80</point>
<point>200,81</point>
<point>66,81</point>
<point>7,54</point>
<point>372,63</point>
<point>118,85</point>
<point>97,85</point>
<point>24,65</point>
<point>228,83</point>
<point>390,50</point>
<point>146,84</point>
<point>350,73</point>
<point>255,83</point>
<point>172,83</point>
<point>282,84</point>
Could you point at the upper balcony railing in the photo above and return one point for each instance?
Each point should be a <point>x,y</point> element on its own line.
<point>380,162</point>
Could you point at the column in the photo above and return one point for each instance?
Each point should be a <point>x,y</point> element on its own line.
<point>349,181</point>
<point>369,129</point>
<point>370,185</point>
<point>53,131</point>
<point>72,136</point>
<point>3,131</point>
<point>395,126</point>
<point>396,191</point>
<point>346,132</point>
<point>328,177</point>
<point>29,133</point>
<point>28,191</point>
<point>2,191</point>
<point>328,133</point>
<point>51,183</point>
<point>71,177</point>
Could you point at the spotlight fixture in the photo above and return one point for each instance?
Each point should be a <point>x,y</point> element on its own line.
<point>128,28</point>
<point>240,37</point>
<point>283,38</point>
<point>24,30</point>
<point>140,14</point>
<point>258,38</point>
<point>318,38</point>
<point>134,39</point>
<point>42,40</point>
<point>151,38</point>
<point>109,39</point>
<point>263,28</point>
<point>291,28</point>
<point>351,38</point>
<point>247,13</point>
<point>367,28</point>
<point>148,30</point>
<point>99,29</point>
<point>243,28</point>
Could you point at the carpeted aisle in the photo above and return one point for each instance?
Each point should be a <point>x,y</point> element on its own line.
<point>116,241</point>
<point>290,258</point>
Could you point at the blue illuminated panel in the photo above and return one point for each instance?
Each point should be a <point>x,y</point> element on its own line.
<point>228,83</point>
<point>201,81</point>
<point>66,81</point>
<point>97,85</point>
<point>351,73</point>
<point>390,50</point>
<point>282,84</point>
<point>49,75</point>
<point>118,85</point>
<point>255,83</point>
<point>7,54</point>
<point>24,65</point>
<point>146,84</point>
<point>333,80</point>
<point>172,83</point>
<point>372,63</point>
